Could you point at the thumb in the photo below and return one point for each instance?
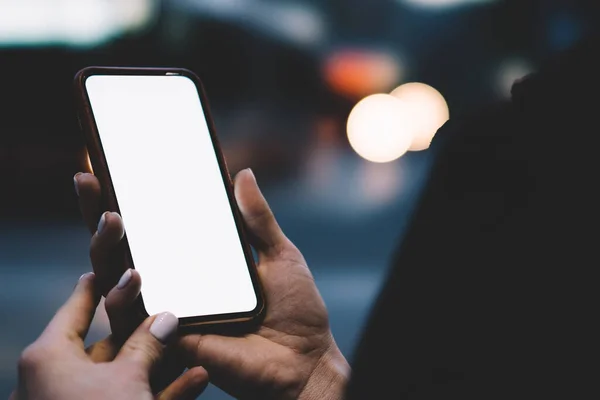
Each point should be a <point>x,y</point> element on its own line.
<point>264,231</point>
<point>146,345</point>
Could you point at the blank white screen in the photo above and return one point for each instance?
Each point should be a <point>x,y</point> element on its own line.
<point>179,224</point>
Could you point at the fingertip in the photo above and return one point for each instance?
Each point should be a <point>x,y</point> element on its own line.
<point>198,374</point>
<point>87,284</point>
<point>86,281</point>
<point>190,385</point>
<point>247,172</point>
<point>164,326</point>
<point>130,279</point>
<point>147,344</point>
<point>264,233</point>
<point>115,217</point>
<point>247,193</point>
<point>245,176</point>
<point>135,285</point>
<point>86,176</point>
<point>87,183</point>
<point>88,276</point>
<point>119,304</point>
<point>76,182</point>
<point>125,291</point>
<point>197,380</point>
<point>136,275</point>
<point>111,225</point>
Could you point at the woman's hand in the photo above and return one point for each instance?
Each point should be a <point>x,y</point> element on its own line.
<point>57,366</point>
<point>292,355</point>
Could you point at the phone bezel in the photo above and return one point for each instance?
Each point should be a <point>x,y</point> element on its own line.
<point>100,167</point>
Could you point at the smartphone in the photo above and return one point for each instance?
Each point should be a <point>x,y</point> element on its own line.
<point>153,147</point>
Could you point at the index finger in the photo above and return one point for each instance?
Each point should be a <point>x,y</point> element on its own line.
<point>73,319</point>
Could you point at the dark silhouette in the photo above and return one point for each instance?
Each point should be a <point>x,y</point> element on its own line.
<point>493,293</point>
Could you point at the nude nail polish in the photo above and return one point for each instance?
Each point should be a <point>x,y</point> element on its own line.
<point>125,279</point>
<point>87,274</point>
<point>164,326</point>
<point>251,172</point>
<point>75,183</point>
<point>102,222</point>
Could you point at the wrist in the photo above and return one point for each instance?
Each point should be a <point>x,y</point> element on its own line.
<point>329,378</point>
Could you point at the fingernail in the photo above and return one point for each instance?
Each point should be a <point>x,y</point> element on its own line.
<point>102,222</point>
<point>125,279</point>
<point>251,173</point>
<point>86,275</point>
<point>83,277</point>
<point>164,326</point>
<point>75,182</point>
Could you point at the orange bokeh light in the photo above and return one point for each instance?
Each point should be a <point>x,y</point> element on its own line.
<point>358,73</point>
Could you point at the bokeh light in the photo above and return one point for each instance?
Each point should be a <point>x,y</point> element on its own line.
<point>357,73</point>
<point>380,128</point>
<point>427,110</point>
<point>71,22</point>
<point>510,72</point>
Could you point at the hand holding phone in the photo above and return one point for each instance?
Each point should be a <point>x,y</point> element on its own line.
<point>153,147</point>
<point>292,354</point>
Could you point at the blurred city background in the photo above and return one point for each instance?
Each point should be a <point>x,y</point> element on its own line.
<point>286,80</point>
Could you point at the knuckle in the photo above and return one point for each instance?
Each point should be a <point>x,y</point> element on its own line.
<point>33,356</point>
<point>199,346</point>
<point>288,251</point>
<point>143,348</point>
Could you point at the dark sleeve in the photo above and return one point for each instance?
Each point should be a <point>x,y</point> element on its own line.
<point>492,290</point>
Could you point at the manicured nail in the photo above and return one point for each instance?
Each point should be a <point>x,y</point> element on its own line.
<point>251,174</point>
<point>125,279</point>
<point>86,275</point>
<point>75,182</point>
<point>102,222</point>
<point>164,326</point>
